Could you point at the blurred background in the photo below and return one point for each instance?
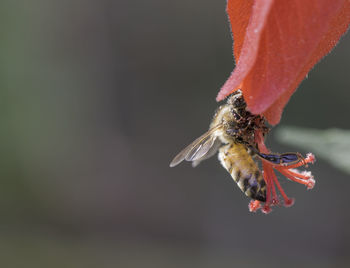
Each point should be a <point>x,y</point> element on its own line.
<point>96,99</point>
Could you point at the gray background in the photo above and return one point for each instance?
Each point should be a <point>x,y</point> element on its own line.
<point>96,99</point>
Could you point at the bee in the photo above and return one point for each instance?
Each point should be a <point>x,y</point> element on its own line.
<point>232,133</point>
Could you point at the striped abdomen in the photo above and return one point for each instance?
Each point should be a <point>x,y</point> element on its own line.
<point>244,171</point>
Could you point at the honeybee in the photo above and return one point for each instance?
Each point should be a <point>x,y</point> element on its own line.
<point>232,133</point>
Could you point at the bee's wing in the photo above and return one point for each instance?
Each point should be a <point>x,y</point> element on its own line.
<point>210,153</point>
<point>198,148</point>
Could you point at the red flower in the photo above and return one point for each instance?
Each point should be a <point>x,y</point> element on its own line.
<point>276,43</point>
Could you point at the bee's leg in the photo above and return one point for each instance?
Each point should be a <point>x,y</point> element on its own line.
<point>291,158</point>
<point>288,160</point>
<point>274,159</point>
<point>285,162</point>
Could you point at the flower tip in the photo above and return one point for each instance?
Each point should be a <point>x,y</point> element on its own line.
<point>266,209</point>
<point>310,158</point>
<point>311,183</point>
<point>289,202</point>
<point>254,205</point>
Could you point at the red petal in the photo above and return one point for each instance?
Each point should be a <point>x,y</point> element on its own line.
<point>276,43</point>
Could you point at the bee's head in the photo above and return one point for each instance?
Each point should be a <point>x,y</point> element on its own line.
<point>236,100</point>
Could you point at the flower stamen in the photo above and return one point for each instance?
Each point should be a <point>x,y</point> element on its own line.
<point>310,158</point>
<point>271,180</point>
<point>254,205</point>
<point>287,201</point>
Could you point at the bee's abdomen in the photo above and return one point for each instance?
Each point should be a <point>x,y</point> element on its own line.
<point>244,171</point>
